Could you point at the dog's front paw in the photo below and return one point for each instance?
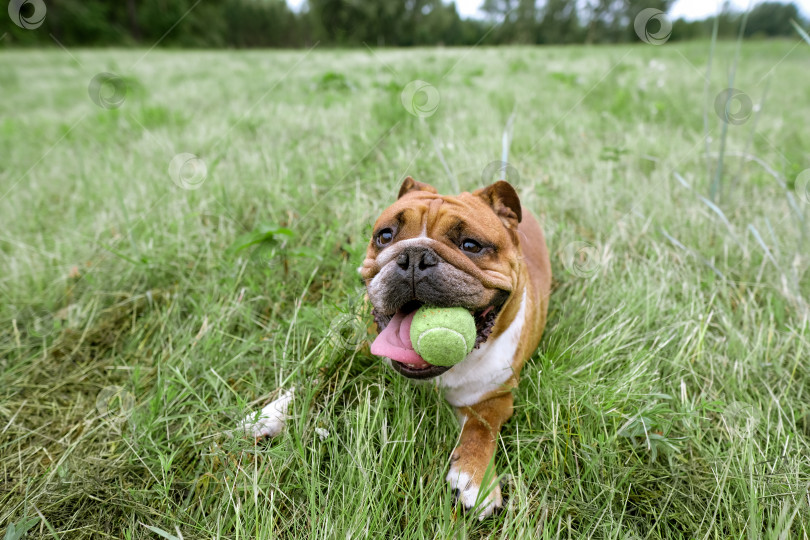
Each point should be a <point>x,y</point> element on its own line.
<point>270,421</point>
<point>470,494</point>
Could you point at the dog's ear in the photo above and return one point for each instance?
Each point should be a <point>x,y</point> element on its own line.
<point>503,199</point>
<point>409,184</point>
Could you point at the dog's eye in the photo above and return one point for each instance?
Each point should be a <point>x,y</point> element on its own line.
<point>470,246</point>
<point>384,237</point>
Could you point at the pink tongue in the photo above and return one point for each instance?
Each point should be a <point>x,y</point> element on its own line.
<point>394,342</point>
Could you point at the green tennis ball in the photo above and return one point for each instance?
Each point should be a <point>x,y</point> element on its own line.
<point>443,336</point>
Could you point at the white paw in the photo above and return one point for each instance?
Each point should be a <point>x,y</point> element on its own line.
<point>270,421</point>
<point>468,493</point>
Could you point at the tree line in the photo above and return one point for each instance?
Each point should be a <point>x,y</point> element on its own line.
<point>353,23</point>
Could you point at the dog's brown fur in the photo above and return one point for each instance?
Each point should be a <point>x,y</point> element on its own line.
<point>519,264</point>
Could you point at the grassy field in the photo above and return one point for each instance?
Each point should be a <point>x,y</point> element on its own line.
<point>147,301</point>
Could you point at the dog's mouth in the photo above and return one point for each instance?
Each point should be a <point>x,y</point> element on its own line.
<point>394,340</point>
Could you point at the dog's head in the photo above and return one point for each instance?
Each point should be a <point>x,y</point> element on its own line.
<point>442,251</point>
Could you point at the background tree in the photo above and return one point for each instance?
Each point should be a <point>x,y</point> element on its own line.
<point>352,23</point>
<point>559,23</point>
<point>771,19</point>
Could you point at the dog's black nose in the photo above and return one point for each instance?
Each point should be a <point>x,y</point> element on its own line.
<point>417,260</point>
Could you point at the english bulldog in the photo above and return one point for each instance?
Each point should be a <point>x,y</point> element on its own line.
<point>482,251</point>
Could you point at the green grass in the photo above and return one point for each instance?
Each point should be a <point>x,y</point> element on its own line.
<point>138,324</point>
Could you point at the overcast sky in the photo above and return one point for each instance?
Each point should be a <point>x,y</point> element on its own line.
<point>688,9</point>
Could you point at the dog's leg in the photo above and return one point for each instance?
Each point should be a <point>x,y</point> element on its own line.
<point>469,461</point>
